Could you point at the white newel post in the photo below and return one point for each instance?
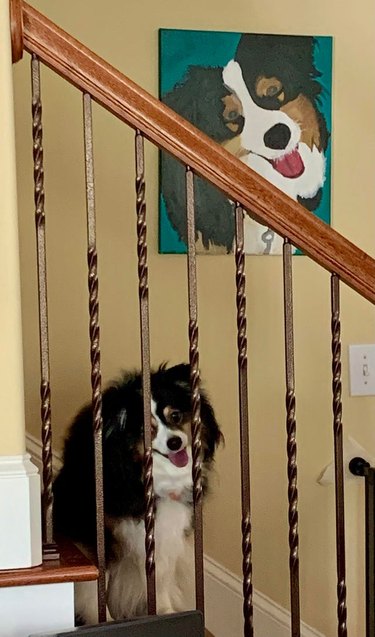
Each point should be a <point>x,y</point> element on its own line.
<point>20,520</point>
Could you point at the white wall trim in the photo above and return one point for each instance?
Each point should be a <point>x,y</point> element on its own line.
<point>34,447</point>
<point>20,528</point>
<point>32,610</point>
<point>224,607</point>
<point>352,449</point>
<point>223,590</point>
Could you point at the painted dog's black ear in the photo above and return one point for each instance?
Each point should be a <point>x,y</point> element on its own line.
<point>324,132</point>
<point>290,58</point>
<point>204,101</point>
<point>214,217</point>
<point>202,98</point>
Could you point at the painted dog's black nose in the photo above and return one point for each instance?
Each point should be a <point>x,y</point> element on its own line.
<point>174,443</point>
<point>277,137</point>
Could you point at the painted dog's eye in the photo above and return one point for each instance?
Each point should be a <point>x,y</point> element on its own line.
<point>232,108</point>
<point>270,87</point>
<point>272,90</point>
<point>176,417</point>
<point>232,115</point>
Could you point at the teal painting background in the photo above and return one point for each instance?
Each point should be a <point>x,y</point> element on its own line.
<point>179,49</point>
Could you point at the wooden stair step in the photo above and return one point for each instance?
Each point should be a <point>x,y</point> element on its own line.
<point>72,566</point>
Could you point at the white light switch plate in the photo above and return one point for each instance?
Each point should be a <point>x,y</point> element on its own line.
<point>362,370</point>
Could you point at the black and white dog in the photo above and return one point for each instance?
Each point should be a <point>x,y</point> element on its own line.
<point>263,106</point>
<point>124,499</point>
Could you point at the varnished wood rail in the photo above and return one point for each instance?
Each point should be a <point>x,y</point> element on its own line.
<point>127,101</point>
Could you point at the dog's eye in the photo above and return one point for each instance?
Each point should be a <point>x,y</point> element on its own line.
<point>232,108</point>
<point>272,90</point>
<point>231,116</point>
<point>176,417</point>
<point>270,87</point>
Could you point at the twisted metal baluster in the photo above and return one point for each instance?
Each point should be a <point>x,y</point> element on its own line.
<point>196,425</point>
<point>291,429</point>
<point>145,348</point>
<point>339,460</point>
<point>96,381</point>
<point>247,568</point>
<point>49,547</point>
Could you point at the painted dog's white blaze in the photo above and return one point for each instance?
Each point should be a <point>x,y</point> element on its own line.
<point>257,120</point>
<point>255,154</point>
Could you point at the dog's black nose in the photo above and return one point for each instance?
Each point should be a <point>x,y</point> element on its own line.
<point>174,443</point>
<point>277,137</point>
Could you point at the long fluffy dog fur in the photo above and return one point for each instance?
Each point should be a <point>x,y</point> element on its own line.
<point>124,498</point>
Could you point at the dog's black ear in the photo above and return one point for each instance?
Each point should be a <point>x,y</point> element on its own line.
<point>179,373</point>
<point>290,58</point>
<point>116,423</point>
<point>200,98</point>
<point>214,217</point>
<point>324,132</point>
<point>211,434</point>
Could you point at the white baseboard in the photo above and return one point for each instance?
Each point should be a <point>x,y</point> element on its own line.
<point>20,528</point>
<point>223,590</point>
<point>224,607</point>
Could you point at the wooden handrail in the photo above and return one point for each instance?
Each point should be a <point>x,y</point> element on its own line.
<point>170,132</point>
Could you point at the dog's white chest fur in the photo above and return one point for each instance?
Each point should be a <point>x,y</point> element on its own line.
<point>126,578</point>
<point>174,560</point>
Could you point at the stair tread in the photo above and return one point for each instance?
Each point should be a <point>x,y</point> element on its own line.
<point>72,566</point>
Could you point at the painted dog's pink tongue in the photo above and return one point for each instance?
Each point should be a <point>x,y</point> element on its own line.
<point>179,458</point>
<point>290,165</point>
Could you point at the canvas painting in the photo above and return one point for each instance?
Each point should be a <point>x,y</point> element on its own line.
<point>266,99</point>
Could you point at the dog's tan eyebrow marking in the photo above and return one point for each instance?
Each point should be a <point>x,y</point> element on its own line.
<point>303,112</point>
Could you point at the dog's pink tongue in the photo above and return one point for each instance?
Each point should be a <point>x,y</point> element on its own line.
<point>179,458</point>
<point>290,165</point>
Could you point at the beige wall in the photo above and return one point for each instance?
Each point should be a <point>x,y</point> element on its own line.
<point>126,34</point>
<point>12,416</point>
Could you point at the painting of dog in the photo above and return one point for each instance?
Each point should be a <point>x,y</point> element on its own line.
<point>266,99</point>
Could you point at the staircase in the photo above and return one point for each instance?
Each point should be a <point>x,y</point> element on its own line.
<point>327,254</point>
